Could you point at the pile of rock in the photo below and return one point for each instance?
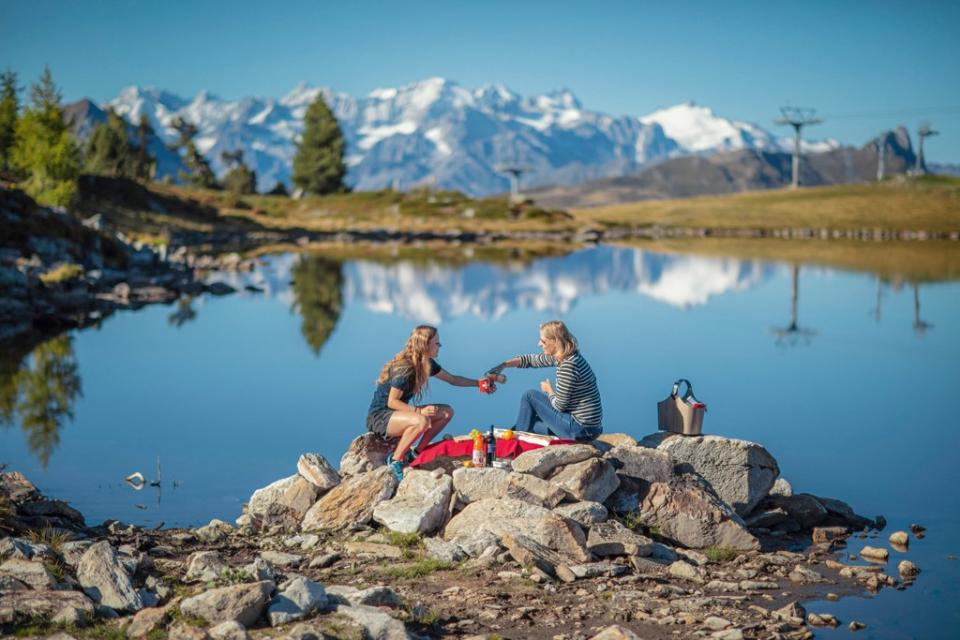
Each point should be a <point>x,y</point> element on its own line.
<point>670,527</point>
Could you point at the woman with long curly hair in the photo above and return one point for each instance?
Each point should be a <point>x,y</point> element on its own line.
<point>574,409</point>
<point>404,378</point>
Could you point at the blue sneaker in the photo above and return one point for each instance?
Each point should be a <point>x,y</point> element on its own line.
<point>409,456</point>
<point>397,467</point>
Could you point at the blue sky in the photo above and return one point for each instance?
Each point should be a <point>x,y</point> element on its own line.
<point>864,65</point>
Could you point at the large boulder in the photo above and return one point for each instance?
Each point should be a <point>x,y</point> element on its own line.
<point>740,472</point>
<point>352,501</point>
<point>420,505</point>
<point>104,578</point>
<point>29,572</point>
<point>315,468</point>
<point>243,603</point>
<point>641,463</point>
<point>687,512</point>
<point>542,462</point>
<point>472,484</point>
<point>802,508</point>
<point>366,453</point>
<point>508,516</point>
<point>592,480</point>
<point>282,503</point>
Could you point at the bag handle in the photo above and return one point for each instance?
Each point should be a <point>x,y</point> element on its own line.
<point>676,388</point>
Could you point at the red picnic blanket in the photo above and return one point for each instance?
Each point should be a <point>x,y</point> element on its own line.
<point>464,449</point>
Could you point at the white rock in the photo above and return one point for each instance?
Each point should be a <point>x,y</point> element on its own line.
<point>204,566</point>
<point>420,505</point>
<point>104,578</point>
<point>377,624</point>
<point>243,603</point>
<point>592,479</point>
<point>315,468</point>
<point>440,549</point>
<point>28,572</point>
<point>543,461</point>
<point>741,472</point>
<point>584,513</point>
<point>641,463</point>
<point>230,630</point>
<point>299,598</point>
<point>472,484</point>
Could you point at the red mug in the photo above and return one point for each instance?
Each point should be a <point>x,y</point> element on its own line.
<point>485,384</point>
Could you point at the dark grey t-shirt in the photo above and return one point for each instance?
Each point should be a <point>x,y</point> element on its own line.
<point>402,379</point>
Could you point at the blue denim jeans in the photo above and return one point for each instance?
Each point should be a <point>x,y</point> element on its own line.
<point>537,415</point>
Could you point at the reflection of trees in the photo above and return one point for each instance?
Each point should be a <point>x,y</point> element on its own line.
<point>317,286</point>
<point>41,393</point>
<point>184,313</point>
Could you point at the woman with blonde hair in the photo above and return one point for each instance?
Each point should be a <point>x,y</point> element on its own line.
<point>573,410</point>
<point>404,378</point>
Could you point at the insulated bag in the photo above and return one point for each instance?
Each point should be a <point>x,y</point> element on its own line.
<point>681,414</point>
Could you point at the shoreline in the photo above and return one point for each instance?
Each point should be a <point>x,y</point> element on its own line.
<point>349,544</point>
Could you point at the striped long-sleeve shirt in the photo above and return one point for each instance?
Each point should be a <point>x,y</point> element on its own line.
<point>576,391</point>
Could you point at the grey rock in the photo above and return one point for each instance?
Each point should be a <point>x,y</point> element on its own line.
<point>230,630</point>
<point>104,578</point>
<point>474,484</point>
<point>378,596</point>
<point>213,532</point>
<point>687,512</point>
<point>598,569</point>
<point>626,499</point>
<point>71,552</point>
<point>532,555</point>
<point>146,620</point>
<point>508,516</point>
<point>615,632</point>
<point>281,559</point>
<point>243,603</point>
<point>641,463</point>
<point>42,603</point>
<point>592,479</point>
<point>324,560</point>
<point>613,539</point>
<point>204,566</point>
<point>377,625</point>
<point>299,598</point>
<point>542,462</point>
<point>476,542</point>
<point>366,453</point>
<point>420,504</point>
<point>687,571</point>
<point>259,569</point>
<point>28,572</point>
<point>315,468</point>
<point>802,508</point>
<point>740,472</point>
<point>907,569</point>
<point>781,488</point>
<point>440,549</point>
<point>766,518</point>
<point>584,513</point>
<point>352,501</point>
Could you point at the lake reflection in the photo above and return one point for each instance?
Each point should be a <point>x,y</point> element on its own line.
<point>847,378</point>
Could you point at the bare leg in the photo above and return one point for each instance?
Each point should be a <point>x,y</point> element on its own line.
<point>437,423</point>
<point>408,426</point>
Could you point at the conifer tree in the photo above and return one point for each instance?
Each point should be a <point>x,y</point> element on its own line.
<point>43,148</point>
<point>108,151</point>
<point>199,172</point>
<point>240,179</point>
<point>9,107</point>
<point>318,166</point>
<point>145,165</point>
<point>279,189</point>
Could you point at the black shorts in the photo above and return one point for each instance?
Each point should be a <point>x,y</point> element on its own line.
<point>377,421</point>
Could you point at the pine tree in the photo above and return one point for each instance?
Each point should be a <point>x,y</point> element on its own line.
<point>9,107</point>
<point>318,166</point>
<point>43,148</point>
<point>145,165</point>
<point>108,151</point>
<point>240,179</point>
<point>200,174</point>
<point>279,189</point>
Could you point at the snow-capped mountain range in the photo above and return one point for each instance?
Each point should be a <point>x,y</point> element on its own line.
<point>437,133</point>
<point>437,293</point>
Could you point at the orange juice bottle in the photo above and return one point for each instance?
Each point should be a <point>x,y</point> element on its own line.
<point>478,451</point>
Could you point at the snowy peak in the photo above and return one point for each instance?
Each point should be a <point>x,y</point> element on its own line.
<point>437,132</point>
<point>697,129</point>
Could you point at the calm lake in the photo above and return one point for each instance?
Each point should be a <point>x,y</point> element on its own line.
<point>849,379</point>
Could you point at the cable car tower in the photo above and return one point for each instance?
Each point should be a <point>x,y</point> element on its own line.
<point>798,118</point>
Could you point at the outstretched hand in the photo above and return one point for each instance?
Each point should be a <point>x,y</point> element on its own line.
<point>546,387</point>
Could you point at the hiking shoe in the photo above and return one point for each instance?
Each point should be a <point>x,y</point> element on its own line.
<point>409,456</point>
<point>397,467</point>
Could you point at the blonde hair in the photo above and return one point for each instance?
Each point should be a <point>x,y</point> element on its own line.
<point>414,357</point>
<point>558,332</point>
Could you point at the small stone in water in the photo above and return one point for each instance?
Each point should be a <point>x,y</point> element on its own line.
<point>874,553</point>
<point>907,569</point>
<point>856,625</point>
<point>832,597</point>
<point>916,528</point>
<point>900,538</point>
